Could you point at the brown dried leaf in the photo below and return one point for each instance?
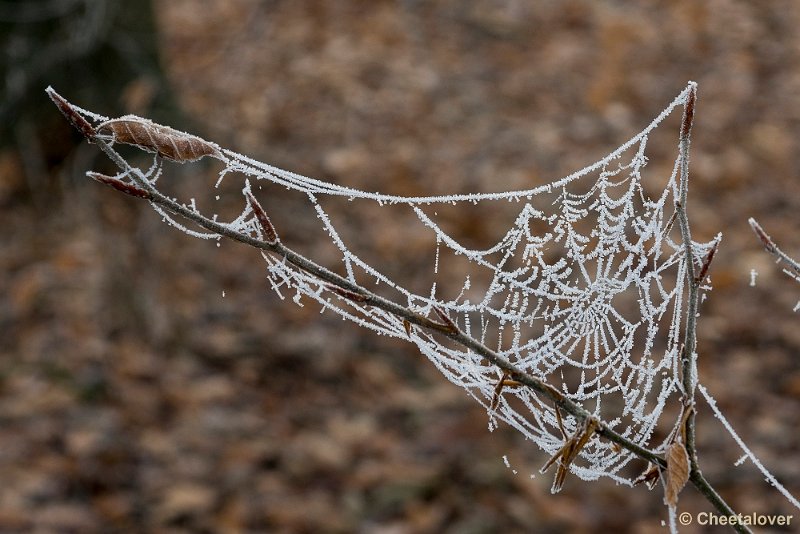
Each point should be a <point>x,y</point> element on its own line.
<point>75,118</point>
<point>649,476</point>
<point>447,322</point>
<point>163,140</point>
<point>707,262</point>
<point>119,185</point>
<point>346,293</point>
<point>266,225</point>
<point>498,388</point>
<point>569,451</point>
<point>677,472</point>
<point>407,326</point>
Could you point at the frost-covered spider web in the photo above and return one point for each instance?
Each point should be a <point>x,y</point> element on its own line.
<point>584,291</point>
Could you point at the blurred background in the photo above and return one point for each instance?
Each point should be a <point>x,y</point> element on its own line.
<point>135,396</point>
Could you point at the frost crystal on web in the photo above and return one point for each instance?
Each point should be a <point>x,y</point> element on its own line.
<point>585,290</point>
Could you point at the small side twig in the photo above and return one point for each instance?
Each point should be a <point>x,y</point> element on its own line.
<point>773,249</point>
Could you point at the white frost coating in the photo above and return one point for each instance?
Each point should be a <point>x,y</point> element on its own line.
<point>748,453</point>
<point>585,290</point>
<point>673,519</point>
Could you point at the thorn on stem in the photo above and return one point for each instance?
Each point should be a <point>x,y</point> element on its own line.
<point>560,423</point>
<point>671,221</point>
<point>119,185</point>
<point>498,388</point>
<point>504,381</point>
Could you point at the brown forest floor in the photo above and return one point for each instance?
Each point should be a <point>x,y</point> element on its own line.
<point>134,397</point>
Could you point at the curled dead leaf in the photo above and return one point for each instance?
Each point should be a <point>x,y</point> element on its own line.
<point>677,472</point>
<point>163,140</point>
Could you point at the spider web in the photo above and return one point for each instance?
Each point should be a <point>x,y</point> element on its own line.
<point>584,291</point>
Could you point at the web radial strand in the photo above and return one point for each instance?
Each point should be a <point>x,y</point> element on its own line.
<point>584,290</point>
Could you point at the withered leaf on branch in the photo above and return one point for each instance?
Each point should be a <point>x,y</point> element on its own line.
<point>677,472</point>
<point>119,185</point>
<point>407,326</point>
<point>649,476</point>
<point>570,450</point>
<point>163,140</point>
<point>74,118</point>
<point>263,220</point>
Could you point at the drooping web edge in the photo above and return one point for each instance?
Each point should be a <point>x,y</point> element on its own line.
<point>290,180</point>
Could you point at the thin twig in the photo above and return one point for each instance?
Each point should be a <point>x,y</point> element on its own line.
<point>773,249</point>
<point>688,363</point>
